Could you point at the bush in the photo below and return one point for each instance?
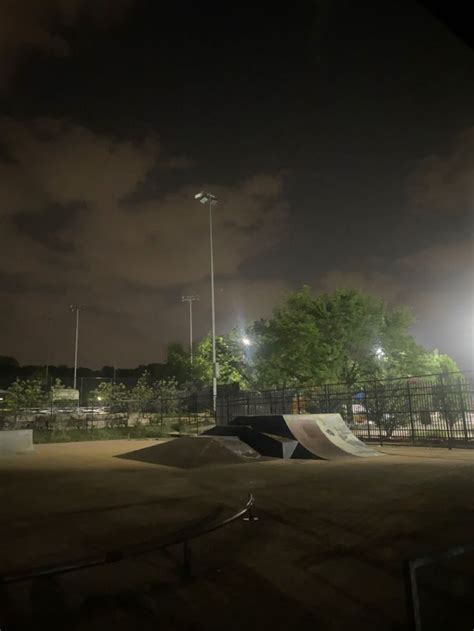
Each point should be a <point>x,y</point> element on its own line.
<point>103,433</point>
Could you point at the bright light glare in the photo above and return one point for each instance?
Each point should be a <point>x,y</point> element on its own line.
<point>99,398</point>
<point>379,352</point>
<point>246,341</point>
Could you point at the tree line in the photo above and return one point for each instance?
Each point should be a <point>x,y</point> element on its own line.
<point>346,336</point>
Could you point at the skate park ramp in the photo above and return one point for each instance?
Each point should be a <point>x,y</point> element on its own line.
<point>195,451</point>
<point>18,441</point>
<point>269,445</point>
<point>323,436</point>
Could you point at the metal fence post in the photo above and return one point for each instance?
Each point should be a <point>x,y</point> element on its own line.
<point>463,410</point>
<point>283,402</point>
<point>445,409</point>
<point>51,417</point>
<point>364,390</point>
<point>410,409</point>
<point>328,398</point>
<point>298,400</point>
<point>377,412</point>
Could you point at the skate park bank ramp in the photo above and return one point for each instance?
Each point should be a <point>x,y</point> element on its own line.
<point>195,451</point>
<point>18,441</point>
<point>306,436</point>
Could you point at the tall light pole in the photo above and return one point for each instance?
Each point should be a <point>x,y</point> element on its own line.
<point>47,338</point>
<point>76,309</point>
<point>190,300</point>
<point>205,198</point>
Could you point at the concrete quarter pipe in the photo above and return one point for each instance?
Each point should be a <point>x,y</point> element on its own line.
<point>323,436</point>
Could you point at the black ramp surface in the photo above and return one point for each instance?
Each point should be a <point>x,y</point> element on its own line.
<point>266,444</point>
<point>196,451</point>
<point>270,424</point>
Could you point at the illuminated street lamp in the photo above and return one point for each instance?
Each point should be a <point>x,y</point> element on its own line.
<point>190,300</point>
<point>246,341</point>
<point>205,198</point>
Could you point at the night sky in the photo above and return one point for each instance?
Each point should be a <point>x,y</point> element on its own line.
<point>338,136</point>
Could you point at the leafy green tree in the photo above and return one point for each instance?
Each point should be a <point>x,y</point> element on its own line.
<point>167,396</point>
<point>450,396</point>
<point>291,349</point>
<point>230,355</point>
<point>346,336</point>
<point>108,394</point>
<point>23,395</point>
<point>178,365</point>
<point>435,363</point>
<point>143,393</point>
<point>386,406</point>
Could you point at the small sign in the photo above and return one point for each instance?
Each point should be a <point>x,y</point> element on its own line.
<point>65,394</point>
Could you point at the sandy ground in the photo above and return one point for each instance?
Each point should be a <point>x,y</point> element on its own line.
<point>327,549</point>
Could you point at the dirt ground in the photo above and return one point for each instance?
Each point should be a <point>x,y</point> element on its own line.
<point>327,549</point>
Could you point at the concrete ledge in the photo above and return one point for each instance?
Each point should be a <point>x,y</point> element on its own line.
<point>18,441</point>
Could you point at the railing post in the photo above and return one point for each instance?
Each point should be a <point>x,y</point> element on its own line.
<point>445,409</point>
<point>364,390</point>
<point>377,412</point>
<point>51,417</point>
<point>298,400</point>
<point>328,398</point>
<point>463,411</point>
<point>410,408</point>
<point>412,597</point>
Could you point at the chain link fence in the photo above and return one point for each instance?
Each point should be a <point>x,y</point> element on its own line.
<point>127,417</point>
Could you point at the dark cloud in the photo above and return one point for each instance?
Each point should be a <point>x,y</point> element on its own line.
<point>444,184</point>
<point>38,26</point>
<point>66,227</point>
<point>331,137</point>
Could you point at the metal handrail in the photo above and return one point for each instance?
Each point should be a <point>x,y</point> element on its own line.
<point>410,566</point>
<point>113,556</point>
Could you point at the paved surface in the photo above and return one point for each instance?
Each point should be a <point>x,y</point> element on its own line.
<point>326,551</point>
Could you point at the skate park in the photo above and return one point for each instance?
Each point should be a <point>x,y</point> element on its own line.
<point>327,540</point>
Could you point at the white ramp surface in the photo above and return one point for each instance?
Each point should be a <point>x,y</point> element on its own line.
<point>17,441</point>
<point>327,436</point>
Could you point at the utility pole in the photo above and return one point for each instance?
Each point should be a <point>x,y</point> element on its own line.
<point>190,300</point>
